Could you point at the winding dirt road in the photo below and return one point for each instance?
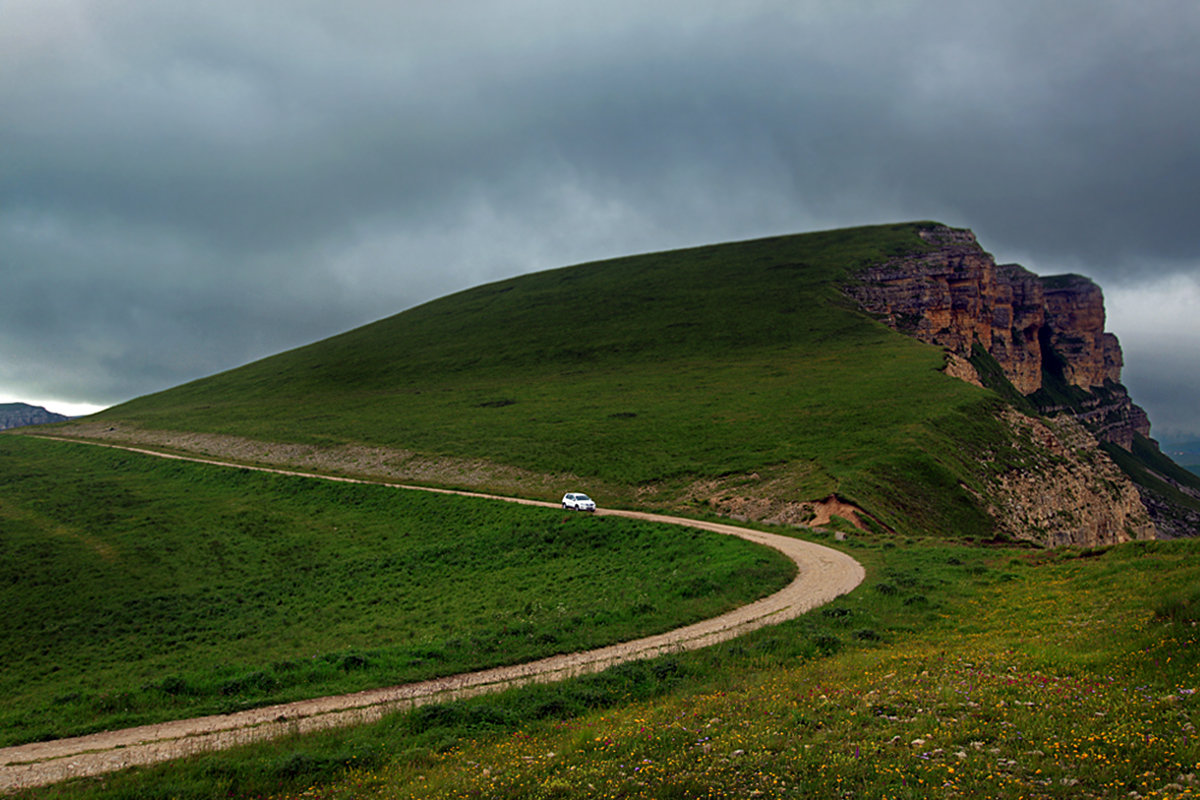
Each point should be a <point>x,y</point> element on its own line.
<point>823,574</point>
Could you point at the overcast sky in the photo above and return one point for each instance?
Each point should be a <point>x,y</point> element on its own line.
<point>186,187</point>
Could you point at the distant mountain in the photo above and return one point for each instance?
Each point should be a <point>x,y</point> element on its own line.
<point>14,415</point>
<point>1183,451</point>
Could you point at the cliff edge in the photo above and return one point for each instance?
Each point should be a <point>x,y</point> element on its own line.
<point>1040,342</point>
<point>1045,334</point>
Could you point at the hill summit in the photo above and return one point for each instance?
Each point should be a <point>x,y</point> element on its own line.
<point>807,379</point>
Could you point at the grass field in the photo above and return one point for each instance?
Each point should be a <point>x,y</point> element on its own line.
<point>137,589</point>
<point>644,375</point>
<point>953,671</point>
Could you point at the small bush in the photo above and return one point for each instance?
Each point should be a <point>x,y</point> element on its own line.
<point>828,644</point>
<point>428,717</point>
<point>175,685</point>
<point>253,682</point>
<point>1179,606</point>
<point>668,669</point>
<point>352,661</point>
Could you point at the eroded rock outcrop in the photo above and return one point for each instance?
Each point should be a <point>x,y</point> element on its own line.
<point>1107,411</point>
<point>1067,491</point>
<point>1046,336</point>
<point>761,502</point>
<point>1074,327</point>
<point>1040,331</point>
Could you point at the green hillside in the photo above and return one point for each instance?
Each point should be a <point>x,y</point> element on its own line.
<point>141,589</point>
<point>690,380</point>
<point>640,379</point>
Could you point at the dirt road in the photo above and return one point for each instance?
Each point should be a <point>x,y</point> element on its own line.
<point>823,574</point>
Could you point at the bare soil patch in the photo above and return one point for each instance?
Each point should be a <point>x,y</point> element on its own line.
<point>385,463</point>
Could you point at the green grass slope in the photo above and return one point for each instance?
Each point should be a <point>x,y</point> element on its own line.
<point>138,589</point>
<point>952,671</point>
<point>643,377</point>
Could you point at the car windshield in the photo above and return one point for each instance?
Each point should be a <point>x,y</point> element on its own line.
<point>583,497</point>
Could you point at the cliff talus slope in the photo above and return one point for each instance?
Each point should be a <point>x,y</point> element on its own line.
<point>1069,492</point>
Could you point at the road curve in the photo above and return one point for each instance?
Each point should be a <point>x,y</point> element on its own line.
<point>823,574</point>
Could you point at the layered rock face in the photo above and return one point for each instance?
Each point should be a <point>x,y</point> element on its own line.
<point>1074,322</point>
<point>956,296</point>
<point>1048,337</point>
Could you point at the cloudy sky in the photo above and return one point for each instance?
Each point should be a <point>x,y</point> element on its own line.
<point>185,187</point>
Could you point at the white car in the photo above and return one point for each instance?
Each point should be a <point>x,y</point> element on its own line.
<point>578,502</point>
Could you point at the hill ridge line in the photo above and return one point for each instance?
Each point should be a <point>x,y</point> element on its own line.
<point>822,575</point>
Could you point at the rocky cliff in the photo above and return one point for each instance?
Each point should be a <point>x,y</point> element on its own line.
<point>15,415</point>
<point>1074,328</point>
<point>1046,334</point>
<point>1041,342</point>
<point>955,295</point>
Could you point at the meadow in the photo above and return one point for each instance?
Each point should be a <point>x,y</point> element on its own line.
<point>953,671</point>
<point>137,589</point>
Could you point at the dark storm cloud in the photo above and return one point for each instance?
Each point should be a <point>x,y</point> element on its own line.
<point>186,187</point>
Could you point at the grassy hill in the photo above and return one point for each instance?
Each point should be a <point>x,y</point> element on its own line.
<point>663,379</point>
<point>958,668</point>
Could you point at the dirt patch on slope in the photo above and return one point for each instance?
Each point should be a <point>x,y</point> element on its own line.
<point>751,497</point>
<point>825,510</point>
<point>385,463</point>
